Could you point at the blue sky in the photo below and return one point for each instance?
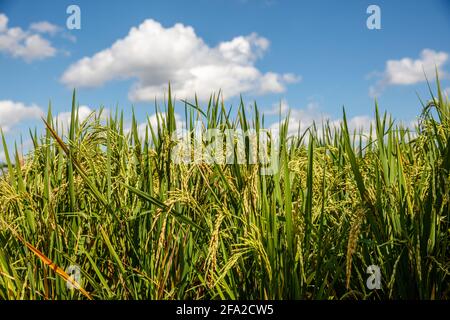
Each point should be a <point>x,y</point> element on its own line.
<point>315,56</point>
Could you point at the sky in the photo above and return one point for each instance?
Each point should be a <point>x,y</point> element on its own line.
<point>308,57</point>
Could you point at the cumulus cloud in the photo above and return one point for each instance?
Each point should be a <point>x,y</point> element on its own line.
<point>153,122</point>
<point>155,55</point>
<point>3,22</point>
<point>408,71</point>
<point>63,119</point>
<point>278,108</point>
<point>19,43</point>
<point>12,113</point>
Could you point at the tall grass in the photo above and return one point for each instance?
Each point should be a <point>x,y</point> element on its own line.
<point>111,201</point>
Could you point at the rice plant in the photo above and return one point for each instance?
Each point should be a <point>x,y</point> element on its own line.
<point>110,200</point>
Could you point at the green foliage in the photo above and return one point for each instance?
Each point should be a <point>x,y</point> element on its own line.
<point>142,227</point>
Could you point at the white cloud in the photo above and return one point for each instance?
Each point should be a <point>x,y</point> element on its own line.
<point>407,71</point>
<point>68,36</point>
<point>2,157</point>
<point>278,108</point>
<point>62,120</point>
<point>45,27</point>
<point>153,122</point>
<point>23,44</point>
<point>3,22</point>
<point>12,113</point>
<point>155,55</point>
<point>302,119</point>
<point>447,92</point>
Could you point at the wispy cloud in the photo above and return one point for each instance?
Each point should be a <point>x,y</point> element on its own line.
<point>408,71</point>
<point>45,27</point>
<point>182,58</point>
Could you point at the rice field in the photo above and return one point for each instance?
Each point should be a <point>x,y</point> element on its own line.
<point>110,201</point>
